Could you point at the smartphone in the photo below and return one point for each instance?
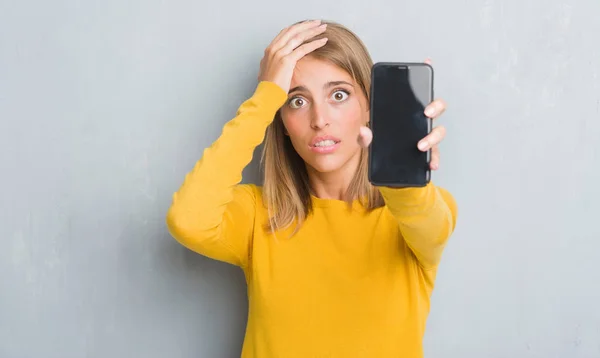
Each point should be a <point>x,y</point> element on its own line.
<point>400,91</point>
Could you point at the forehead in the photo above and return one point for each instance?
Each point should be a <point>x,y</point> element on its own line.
<point>313,73</point>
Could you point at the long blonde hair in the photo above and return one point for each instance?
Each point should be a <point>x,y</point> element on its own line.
<point>286,189</point>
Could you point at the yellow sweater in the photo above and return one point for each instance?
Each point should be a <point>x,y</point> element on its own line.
<point>350,283</point>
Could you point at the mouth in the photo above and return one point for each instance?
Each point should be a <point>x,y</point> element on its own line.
<point>324,141</point>
<point>326,144</point>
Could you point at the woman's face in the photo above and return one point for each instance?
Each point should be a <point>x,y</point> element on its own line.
<point>323,116</point>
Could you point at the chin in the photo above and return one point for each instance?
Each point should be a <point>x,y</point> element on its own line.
<point>325,165</point>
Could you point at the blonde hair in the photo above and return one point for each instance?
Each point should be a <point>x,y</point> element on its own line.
<point>286,189</point>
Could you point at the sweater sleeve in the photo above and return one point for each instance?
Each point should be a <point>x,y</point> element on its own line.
<point>426,217</point>
<point>212,213</point>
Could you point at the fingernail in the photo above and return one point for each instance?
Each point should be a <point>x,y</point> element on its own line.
<point>429,111</point>
<point>423,145</point>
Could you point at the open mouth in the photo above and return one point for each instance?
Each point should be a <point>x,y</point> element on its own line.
<point>325,143</point>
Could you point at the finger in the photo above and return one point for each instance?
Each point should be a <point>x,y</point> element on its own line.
<point>277,38</point>
<point>286,30</point>
<point>428,61</point>
<point>284,37</point>
<point>300,38</point>
<point>435,108</point>
<point>434,164</point>
<point>306,49</point>
<point>365,137</point>
<point>432,139</point>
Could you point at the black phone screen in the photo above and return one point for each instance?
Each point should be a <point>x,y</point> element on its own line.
<point>399,95</point>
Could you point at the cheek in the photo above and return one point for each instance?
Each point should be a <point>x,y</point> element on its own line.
<point>295,125</point>
<point>297,128</point>
<point>352,117</point>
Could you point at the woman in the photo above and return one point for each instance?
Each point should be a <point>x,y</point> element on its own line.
<point>335,267</point>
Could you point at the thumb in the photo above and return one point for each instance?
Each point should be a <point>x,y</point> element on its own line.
<point>365,136</point>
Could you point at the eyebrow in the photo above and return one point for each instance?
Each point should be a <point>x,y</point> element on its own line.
<point>327,85</point>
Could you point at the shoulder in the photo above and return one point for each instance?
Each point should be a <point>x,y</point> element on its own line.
<point>249,193</point>
<point>250,189</point>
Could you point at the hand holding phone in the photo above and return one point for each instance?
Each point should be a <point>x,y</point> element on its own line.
<point>401,93</point>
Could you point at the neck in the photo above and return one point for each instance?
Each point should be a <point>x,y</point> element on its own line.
<point>333,185</point>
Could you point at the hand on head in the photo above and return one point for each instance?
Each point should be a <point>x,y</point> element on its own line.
<point>286,50</point>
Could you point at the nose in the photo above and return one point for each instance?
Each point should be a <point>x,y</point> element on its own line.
<point>319,118</point>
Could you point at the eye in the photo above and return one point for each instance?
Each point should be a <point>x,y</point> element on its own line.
<point>297,102</point>
<point>340,95</point>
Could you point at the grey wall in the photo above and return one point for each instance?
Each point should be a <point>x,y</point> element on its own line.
<point>104,106</point>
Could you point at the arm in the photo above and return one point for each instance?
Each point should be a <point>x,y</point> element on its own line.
<point>211,213</point>
<point>426,217</point>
